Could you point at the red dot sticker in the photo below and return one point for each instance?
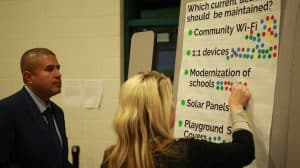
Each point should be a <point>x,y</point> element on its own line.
<point>243,49</point>
<point>267,18</point>
<point>275,47</point>
<point>272,17</point>
<point>269,29</point>
<point>263,33</point>
<point>274,55</point>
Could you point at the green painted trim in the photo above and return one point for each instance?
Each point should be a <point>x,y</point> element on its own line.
<point>153,22</point>
<point>161,17</point>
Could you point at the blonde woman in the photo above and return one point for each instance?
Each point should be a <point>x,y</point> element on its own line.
<point>144,123</point>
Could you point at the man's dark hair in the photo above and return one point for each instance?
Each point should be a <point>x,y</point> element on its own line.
<point>28,60</point>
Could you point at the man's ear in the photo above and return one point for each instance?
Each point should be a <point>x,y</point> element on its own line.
<point>27,77</point>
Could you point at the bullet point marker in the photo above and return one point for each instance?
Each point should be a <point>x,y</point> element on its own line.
<point>183,102</point>
<point>190,33</point>
<point>180,123</point>
<point>188,52</point>
<point>186,72</point>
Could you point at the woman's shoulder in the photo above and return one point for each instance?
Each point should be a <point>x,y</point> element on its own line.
<point>185,141</point>
<point>107,151</point>
<point>174,155</point>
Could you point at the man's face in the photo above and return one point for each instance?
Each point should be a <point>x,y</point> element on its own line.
<point>46,77</point>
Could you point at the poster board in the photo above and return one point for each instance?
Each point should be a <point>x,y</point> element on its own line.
<point>141,52</point>
<point>219,43</point>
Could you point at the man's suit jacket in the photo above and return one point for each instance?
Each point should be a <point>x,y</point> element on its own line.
<point>24,140</point>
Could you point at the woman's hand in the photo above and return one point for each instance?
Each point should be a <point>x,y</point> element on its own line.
<point>239,97</point>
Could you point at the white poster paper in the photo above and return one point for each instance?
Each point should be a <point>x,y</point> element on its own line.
<point>224,42</point>
<point>84,93</point>
<point>71,92</point>
<point>92,91</point>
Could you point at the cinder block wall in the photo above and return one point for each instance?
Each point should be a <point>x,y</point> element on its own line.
<point>86,36</point>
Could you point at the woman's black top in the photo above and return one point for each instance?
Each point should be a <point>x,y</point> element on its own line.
<point>194,153</point>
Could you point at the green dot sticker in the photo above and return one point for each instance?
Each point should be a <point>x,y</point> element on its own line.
<point>183,102</point>
<point>186,72</point>
<point>269,56</point>
<point>180,123</point>
<point>190,32</point>
<point>188,52</point>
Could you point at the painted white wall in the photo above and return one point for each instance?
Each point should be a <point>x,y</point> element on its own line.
<point>285,136</point>
<point>86,37</point>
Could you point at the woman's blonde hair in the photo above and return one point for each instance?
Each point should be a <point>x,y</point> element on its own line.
<point>142,122</point>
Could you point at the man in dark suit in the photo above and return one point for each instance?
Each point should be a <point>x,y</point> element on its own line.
<point>32,127</point>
